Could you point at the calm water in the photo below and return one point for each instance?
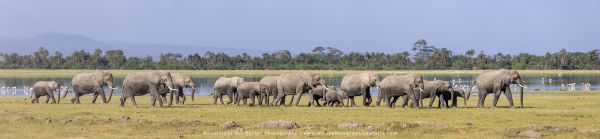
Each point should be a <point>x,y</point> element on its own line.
<point>204,84</point>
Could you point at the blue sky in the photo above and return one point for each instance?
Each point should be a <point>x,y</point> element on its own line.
<point>507,26</point>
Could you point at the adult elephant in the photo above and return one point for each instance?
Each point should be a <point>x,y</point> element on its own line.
<point>226,86</point>
<point>46,88</point>
<point>180,81</point>
<point>497,82</point>
<point>296,84</point>
<point>395,86</point>
<point>148,82</point>
<point>438,88</point>
<point>360,84</point>
<point>92,82</point>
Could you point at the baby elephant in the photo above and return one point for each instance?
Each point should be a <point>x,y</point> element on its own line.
<point>334,96</point>
<point>46,88</point>
<point>251,90</point>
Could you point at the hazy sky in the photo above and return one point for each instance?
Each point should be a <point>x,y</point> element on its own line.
<point>508,26</point>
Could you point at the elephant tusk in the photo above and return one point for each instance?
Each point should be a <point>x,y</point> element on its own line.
<point>521,85</point>
<point>172,89</point>
<point>325,87</point>
<point>112,87</point>
<point>421,90</point>
<point>193,87</point>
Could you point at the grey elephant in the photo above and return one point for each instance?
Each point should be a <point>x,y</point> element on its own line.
<point>226,86</point>
<point>360,84</point>
<point>453,97</point>
<point>147,82</point>
<point>335,97</point>
<point>92,82</point>
<point>437,88</point>
<point>250,90</point>
<point>296,84</point>
<point>318,93</point>
<point>180,81</point>
<point>496,82</point>
<point>394,86</point>
<point>271,82</point>
<point>46,88</point>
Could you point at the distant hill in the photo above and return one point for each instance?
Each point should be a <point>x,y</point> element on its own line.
<point>67,43</point>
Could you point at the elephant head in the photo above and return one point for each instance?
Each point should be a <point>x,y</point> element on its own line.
<point>313,79</point>
<point>513,77</point>
<point>370,79</point>
<point>263,88</point>
<point>105,78</point>
<point>166,79</point>
<point>417,82</point>
<point>188,82</point>
<point>235,81</point>
<point>55,86</point>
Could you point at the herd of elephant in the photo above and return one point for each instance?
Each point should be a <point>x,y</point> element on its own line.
<point>411,87</point>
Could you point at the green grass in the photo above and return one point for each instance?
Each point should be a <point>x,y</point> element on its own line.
<point>70,73</point>
<point>20,119</point>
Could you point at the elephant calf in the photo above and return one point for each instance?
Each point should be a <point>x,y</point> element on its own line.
<point>250,90</point>
<point>334,96</point>
<point>46,88</point>
<point>317,93</point>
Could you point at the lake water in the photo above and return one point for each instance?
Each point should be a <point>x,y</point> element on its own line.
<point>204,84</point>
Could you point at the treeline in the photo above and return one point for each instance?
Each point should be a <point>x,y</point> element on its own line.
<point>422,57</point>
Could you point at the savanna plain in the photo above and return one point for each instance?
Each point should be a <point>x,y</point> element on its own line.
<point>550,114</point>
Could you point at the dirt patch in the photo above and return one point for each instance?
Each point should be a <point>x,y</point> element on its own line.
<point>350,125</point>
<point>537,131</point>
<point>8,112</point>
<point>396,126</point>
<point>281,124</point>
<point>230,125</point>
<point>125,119</point>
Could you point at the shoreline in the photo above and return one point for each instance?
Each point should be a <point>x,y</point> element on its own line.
<point>121,73</point>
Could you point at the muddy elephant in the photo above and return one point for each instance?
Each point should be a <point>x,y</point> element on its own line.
<point>335,97</point>
<point>226,86</point>
<point>297,83</point>
<point>46,88</point>
<point>147,82</point>
<point>250,90</point>
<point>394,86</point>
<point>360,84</point>
<point>496,82</point>
<point>317,94</point>
<point>92,82</point>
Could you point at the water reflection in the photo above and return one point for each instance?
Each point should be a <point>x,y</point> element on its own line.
<point>204,84</point>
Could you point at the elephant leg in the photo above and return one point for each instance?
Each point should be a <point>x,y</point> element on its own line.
<point>353,104</point>
<point>297,98</point>
<point>76,95</point>
<point>102,95</point>
<point>133,101</point>
<point>94,97</point>
<point>481,98</point>
<point>47,98</point>
<point>51,95</point>
<point>431,100</point>
<point>221,99</point>
<point>394,101</point>
<point>311,99</point>
<point>163,97</point>
<point>34,99</point>
<point>496,97</point>
<point>123,99</point>
<point>230,95</point>
<point>508,95</point>
<point>291,100</point>
<point>405,101</point>
<point>388,100</point>
<point>245,101</point>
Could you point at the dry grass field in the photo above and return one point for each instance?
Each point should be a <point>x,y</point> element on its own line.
<point>557,115</point>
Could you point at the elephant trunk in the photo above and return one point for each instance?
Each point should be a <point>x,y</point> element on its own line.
<point>193,92</point>
<point>520,82</point>
<point>471,88</point>
<point>59,91</point>
<point>110,94</point>
<point>66,91</point>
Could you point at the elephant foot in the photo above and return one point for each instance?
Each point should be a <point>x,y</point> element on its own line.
<point>494,107</point>
<point>512,107</point>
